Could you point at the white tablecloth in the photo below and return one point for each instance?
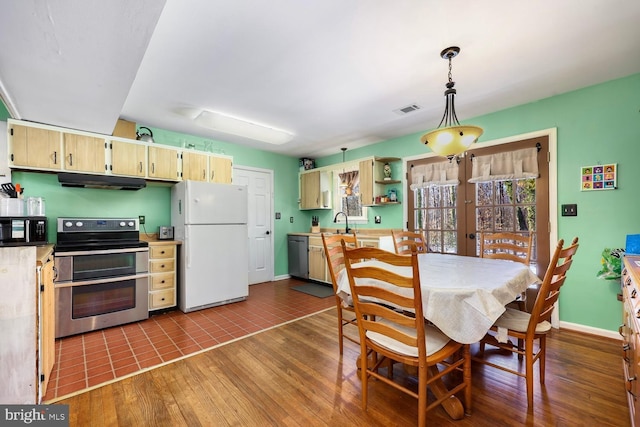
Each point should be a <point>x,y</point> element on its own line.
<point>463,296</point>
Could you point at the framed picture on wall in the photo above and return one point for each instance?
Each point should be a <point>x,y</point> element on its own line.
<point>599,177</point>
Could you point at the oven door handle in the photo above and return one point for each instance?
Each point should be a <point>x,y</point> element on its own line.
<point>99,281</point>
<point>104,251</point>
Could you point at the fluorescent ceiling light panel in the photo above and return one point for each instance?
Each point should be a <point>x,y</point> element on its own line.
<point>244,128</point>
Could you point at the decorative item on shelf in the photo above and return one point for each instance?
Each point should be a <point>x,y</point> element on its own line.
<point>452,138</point>
<point>387,172</point>
<point>307,164</point>
<point>393,195</point>
<point>143,136</point>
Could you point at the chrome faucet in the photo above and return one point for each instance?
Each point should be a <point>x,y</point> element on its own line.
<point>346,221</point>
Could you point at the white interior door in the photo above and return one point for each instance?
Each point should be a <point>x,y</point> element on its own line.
<point>259,221</point>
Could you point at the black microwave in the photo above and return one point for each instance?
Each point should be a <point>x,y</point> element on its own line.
<point>23,230</point>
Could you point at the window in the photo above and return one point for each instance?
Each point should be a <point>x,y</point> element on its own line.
<point>346,190</point>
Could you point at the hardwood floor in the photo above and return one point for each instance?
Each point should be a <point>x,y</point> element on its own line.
<point>293,375</point>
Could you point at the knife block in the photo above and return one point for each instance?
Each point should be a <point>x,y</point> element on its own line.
<point>315,228</point>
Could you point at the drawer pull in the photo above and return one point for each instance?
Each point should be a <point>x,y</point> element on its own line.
<point>627,281</point>
<point>634,292</point>
<point>638,313</point>
<point>162,299</point>
<point>620,330</point>
<point>162,281</point>
<point>162,252</point>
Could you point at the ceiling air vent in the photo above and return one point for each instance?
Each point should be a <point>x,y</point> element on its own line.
<point>406,110</point>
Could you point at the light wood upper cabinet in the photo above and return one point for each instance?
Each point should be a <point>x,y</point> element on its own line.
<point>163,163</point>
<point>128,159</point>
<point>47,148</point>
<point>310,190</point>
<point>373,182</point>
<point>194,166</point>
<point>84,153</point>
<point>365,172</point>
<point>315,189</point>
<point>220,169</point>
<point>34,147</point>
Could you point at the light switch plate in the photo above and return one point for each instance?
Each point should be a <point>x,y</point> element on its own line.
<point>570,210</point>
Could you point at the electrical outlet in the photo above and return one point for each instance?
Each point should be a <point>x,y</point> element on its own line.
<point>378,219</point>
<point>291,219</point>
<point>141,219</point>
<point>570,210</point>
<point>277,215</point>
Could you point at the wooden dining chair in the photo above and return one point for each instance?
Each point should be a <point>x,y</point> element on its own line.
<point>531,327</point>
<point>405,241</point>
<point>510,246</point>
<point>335,261</point>
<point>394,327</point>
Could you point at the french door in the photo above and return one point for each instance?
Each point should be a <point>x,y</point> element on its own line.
<point>452,215</point>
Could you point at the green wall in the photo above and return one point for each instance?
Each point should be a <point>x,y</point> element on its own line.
<point>585,120</point>
<point>595,125</point>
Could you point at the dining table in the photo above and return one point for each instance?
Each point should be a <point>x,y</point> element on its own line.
<point>461,295</point>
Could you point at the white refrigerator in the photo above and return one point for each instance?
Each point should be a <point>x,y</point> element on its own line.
<point>211,221</point>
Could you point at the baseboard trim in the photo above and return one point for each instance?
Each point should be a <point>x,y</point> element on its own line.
<point>282,277</point>
<point>590,330</point>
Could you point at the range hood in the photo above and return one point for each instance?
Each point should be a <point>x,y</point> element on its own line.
<point>101,181</point>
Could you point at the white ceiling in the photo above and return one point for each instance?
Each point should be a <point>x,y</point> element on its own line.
<point>329,71</point>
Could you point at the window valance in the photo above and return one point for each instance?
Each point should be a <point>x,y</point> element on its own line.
<point>434,174</point>
<point>519,164</point>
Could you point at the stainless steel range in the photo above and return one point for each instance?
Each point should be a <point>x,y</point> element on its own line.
<point>102,275</point>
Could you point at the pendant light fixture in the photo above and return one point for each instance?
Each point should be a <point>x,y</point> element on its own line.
<point>343,175</point>
<point>451,138</point>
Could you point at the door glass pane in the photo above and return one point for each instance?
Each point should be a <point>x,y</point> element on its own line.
<point>439,220</point>
<point>504,220</point>
<point>450,242</point>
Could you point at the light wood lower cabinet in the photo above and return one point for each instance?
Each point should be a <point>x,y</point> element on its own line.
<point>318,269</point>
<point>162,275</point>
<point>630,331</point>
<point>47,327</point>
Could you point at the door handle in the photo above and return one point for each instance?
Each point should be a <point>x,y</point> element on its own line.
<point>472,236</point>
<point>268,232</point>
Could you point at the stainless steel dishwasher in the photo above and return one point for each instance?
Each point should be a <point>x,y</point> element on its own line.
<point>298,251</point>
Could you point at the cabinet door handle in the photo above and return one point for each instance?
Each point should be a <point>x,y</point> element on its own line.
<point>153,168</point>
<point>55,157</point>
<point>140,166</point>
<point>70,159</point>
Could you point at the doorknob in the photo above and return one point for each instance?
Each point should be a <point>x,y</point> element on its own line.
<point>268,232</point>
<point>472,236</point>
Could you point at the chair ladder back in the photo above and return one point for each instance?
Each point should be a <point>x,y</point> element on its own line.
<point>505,245</point>
<point>393,306</point>
<point>554,278</point>
<point>405,241</point>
